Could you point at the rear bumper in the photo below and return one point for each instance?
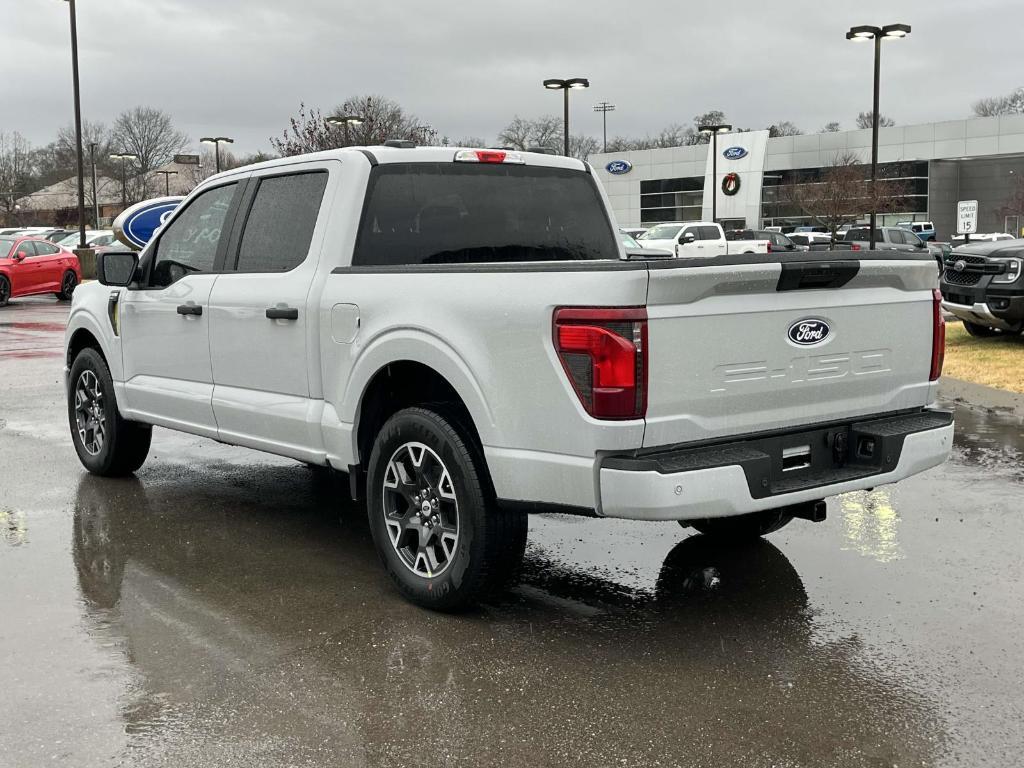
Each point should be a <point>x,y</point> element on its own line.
<point>751,475</point>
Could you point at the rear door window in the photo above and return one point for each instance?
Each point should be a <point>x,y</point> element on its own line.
<point>46,249</point>
<point>28,248</point>
<point>463,213</point>
<point>279,227</point>
<point>708,233</point>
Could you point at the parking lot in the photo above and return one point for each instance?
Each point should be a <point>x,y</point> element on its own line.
<point>213,611</point>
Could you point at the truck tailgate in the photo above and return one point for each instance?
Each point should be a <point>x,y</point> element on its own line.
<point>728,355</point>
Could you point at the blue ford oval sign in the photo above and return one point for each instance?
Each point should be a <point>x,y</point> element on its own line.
<point>808,331</point>
<point>136,224</point>
<point>734,153</point>
<point>619,167</point>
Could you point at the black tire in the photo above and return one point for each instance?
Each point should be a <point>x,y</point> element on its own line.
<point>979,331</point>
<point>110,446</point>
<point>488,540</point>
<point>5,291</point>
<point>68,283</point>
<point>741,527</point>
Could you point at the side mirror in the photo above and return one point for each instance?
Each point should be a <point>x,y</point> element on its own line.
<point>687,238</point>
<point>20,256</point>
<point>116,268</point>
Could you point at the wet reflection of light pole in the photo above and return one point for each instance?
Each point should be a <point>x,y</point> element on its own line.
<point>871,524</point>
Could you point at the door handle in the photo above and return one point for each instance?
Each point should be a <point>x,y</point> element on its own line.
<point>282,313</point>
<point>190,309</point>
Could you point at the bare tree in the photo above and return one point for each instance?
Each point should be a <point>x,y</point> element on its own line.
<point>465,141</point>
<point>842,193</point>
<point>582,147</point>
<point>382,119</point>
<point>992,106</point>
<point>522,133</point>
<point>832,127</point>
<point>864,120</point>
<point>783,128</point>
<point>150,135</point>
<point>15,169</point>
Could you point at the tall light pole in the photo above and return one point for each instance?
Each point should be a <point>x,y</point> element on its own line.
<point>604,108</point>
<point>167,180</point>
<point>95,201</point>
<point>556,84</point>
<point>345,121</point>
<point>713,131</point>
<point>216,141</point>
<point>78,126</point>
<point>864,33</point>
<point>124,157</point>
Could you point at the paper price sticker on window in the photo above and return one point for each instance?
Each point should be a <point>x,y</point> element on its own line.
<point>966,217</point>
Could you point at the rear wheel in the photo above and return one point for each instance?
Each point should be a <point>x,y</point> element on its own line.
<point>68,283</point>
<point>106,443</point>
<point>747,526</point>
<point>980,331</point>
<point>440,534</point>
<point>5,291</point>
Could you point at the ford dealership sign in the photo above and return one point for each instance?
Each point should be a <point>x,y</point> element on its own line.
<point>619,167</point>
<point>734,153</point>
<point>136,224</point>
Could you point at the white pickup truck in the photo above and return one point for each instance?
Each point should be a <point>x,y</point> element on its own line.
<point>697,239</point>
<point>462,333</point>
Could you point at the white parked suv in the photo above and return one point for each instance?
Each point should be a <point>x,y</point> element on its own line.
<point>461,332</point>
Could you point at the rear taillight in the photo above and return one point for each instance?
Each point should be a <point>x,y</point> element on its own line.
<point>938,336</point>
<point>855,247</point>
<point>604,353</point>
<point>769,247</point>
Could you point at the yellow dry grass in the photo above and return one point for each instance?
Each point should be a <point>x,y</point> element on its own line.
<point>997,361</point>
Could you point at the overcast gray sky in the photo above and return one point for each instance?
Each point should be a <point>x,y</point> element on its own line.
<point>240,67</point>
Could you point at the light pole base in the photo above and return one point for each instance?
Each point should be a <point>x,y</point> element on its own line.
<point>87,262</point>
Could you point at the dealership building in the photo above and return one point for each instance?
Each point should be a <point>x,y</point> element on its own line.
<point>938,164</point>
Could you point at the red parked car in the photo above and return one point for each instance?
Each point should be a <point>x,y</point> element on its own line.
<point>31,265</point>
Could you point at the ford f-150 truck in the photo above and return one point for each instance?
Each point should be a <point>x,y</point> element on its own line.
<point>461,332</point>
<point>697,239</point>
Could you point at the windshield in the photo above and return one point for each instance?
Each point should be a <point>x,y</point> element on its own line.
<point>5,245</point>
<point>69,241</point>
<point>661,232</point>
<point>459,213</point>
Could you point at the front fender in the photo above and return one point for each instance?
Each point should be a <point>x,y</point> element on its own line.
<point>418,346</point>
<point>89,313</point>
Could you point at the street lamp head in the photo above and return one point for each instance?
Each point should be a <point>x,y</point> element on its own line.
<point>895,31</point>
<point>577,82</point>
<point>207,140</point>
<point>863,33</point>
<point>225,139</point>
<point>554,84</point>
<point>709,129</point>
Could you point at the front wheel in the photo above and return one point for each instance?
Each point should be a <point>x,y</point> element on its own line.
<point>68,284</point>
<point>5,291</point>
<point>106,444</point>
<point>739,527</point>
<point>979,331</point>
<point>440,534</point>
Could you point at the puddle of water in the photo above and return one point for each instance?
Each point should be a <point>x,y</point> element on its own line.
<point>989,438</point>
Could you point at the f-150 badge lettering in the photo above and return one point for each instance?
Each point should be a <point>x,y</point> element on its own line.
<point>758,375</point>
<point>808,331</point>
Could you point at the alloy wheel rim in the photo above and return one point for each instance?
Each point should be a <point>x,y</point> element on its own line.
<point>90,418</point>
<point>421,509</point>
<point>4,291</point>
<point>69,284</point>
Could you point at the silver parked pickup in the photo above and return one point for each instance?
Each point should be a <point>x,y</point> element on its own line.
<point>461,332</point>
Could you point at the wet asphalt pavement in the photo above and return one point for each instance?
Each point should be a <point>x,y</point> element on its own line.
<point>213,612</point>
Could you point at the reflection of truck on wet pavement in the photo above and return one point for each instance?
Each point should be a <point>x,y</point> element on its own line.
<point>463,334</point>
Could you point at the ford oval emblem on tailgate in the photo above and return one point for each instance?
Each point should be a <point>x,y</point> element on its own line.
<point>808,331</point>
